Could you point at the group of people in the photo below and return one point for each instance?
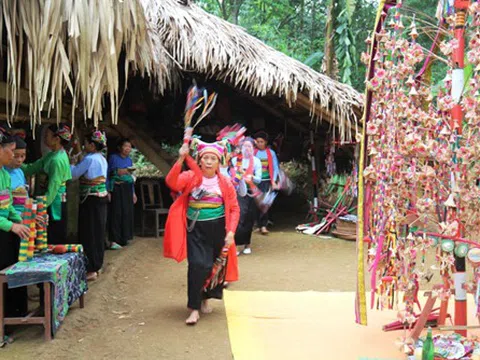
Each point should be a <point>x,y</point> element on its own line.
<point>105,188</point>
<point>218,203</point>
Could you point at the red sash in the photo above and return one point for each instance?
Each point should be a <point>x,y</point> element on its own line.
<point>239,166</point>
<point>270,163</point>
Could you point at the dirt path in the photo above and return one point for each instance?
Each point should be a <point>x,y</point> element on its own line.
<point>137,307</point>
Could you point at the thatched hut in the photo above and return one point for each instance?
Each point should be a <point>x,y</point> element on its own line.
<point>77,59</point>
<point>73,53</point>
<point>201,43</point>
<point>125,66</point>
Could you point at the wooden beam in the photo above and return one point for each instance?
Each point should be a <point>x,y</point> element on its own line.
<point>148,147</point>
<point>24,101</point>
<point>23,98</point>
<point>278,114</point>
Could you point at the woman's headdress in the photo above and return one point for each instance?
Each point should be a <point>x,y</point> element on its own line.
<point>99,137</point>
<point>200,148</point>
<point>62,131</point>
<point>5,137</point>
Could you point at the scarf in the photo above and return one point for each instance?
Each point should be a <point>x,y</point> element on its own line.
<point>270,163</point>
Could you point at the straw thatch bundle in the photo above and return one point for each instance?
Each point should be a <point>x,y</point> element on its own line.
<point>75,46</point>
<point>206,44</point>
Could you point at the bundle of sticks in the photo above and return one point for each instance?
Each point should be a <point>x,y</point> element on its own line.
<point>342,206</point>
<point>197,98</point>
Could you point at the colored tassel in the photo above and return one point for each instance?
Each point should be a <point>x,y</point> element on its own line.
<point>31,226</point>
<point>27,211</point>
<point>41,225</point>
<point>62,249</point>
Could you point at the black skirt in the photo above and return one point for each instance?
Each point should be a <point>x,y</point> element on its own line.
<point>15,299</point>
<point>204,244</point>
<point>57,229</point>
<point>262,218</point>
<point>92,225</point>
<point>121,214</point>
<point>248,212</point>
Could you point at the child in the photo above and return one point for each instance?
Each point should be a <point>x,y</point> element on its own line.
<point>269,172</point>
<point>19,183</point>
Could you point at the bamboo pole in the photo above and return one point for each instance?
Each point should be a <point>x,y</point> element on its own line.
<point>360,299</point>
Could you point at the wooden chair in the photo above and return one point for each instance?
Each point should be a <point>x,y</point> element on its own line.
<point>152,203</point>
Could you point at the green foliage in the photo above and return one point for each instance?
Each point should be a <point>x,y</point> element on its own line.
<point>144,168</point>
<point>299,174</point>
<point>297,28</point>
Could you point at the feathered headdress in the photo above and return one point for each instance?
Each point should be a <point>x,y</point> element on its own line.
<point>233,134</point>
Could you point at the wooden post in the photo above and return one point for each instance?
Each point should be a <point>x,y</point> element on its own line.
<point>47,320</point>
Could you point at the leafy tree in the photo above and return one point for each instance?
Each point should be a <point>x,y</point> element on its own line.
<point>327,35</point>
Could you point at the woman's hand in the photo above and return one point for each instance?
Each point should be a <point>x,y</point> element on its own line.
<point>248,178</point>
<point>135,199</point>
<point>229,238</point>
<point>187,135</point>
<point>123,172</point>
<point>21,230</point>
<point>42,218</point>
<point>183,152</point>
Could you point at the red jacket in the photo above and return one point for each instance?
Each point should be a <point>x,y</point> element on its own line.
<point>175,239</point>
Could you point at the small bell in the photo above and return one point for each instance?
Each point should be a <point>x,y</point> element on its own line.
<point>410,81</point>
<point>445,131</point>
<point>450,202</point>
<point>414,33</point>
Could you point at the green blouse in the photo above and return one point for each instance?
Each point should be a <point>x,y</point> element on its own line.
<point>8,214</point>
<point>54,171</point>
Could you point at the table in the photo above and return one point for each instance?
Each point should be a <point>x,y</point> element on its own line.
<point>64,281</point>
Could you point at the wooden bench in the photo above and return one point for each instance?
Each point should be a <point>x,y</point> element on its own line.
<point>32,318</point>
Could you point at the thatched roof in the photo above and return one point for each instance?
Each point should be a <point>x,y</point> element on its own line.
<point>205,44</point>
<point>54,47</point>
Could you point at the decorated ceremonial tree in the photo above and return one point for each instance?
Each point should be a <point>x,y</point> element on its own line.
<point>421,158</point>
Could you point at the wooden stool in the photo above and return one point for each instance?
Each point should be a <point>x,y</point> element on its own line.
<point>31,318</point>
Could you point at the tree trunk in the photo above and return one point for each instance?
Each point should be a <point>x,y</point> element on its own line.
<point>235,10</point>
<point>302,15</point>
<point>329,57</point>
<point>312,33</point>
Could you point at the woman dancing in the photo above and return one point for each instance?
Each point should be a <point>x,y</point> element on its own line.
<point>249,168</point>
<point>203,219</point>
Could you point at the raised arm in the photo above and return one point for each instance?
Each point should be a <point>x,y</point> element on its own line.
<point>178,180</point>
<point>33,168</point>
<point>81,168</point>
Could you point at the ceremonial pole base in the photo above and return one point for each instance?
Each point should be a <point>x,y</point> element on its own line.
<point>460,318</point>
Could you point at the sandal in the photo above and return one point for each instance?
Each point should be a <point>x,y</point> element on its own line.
<point>115,246</point>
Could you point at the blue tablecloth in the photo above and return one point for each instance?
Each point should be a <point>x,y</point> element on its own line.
<point>66,272</point>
